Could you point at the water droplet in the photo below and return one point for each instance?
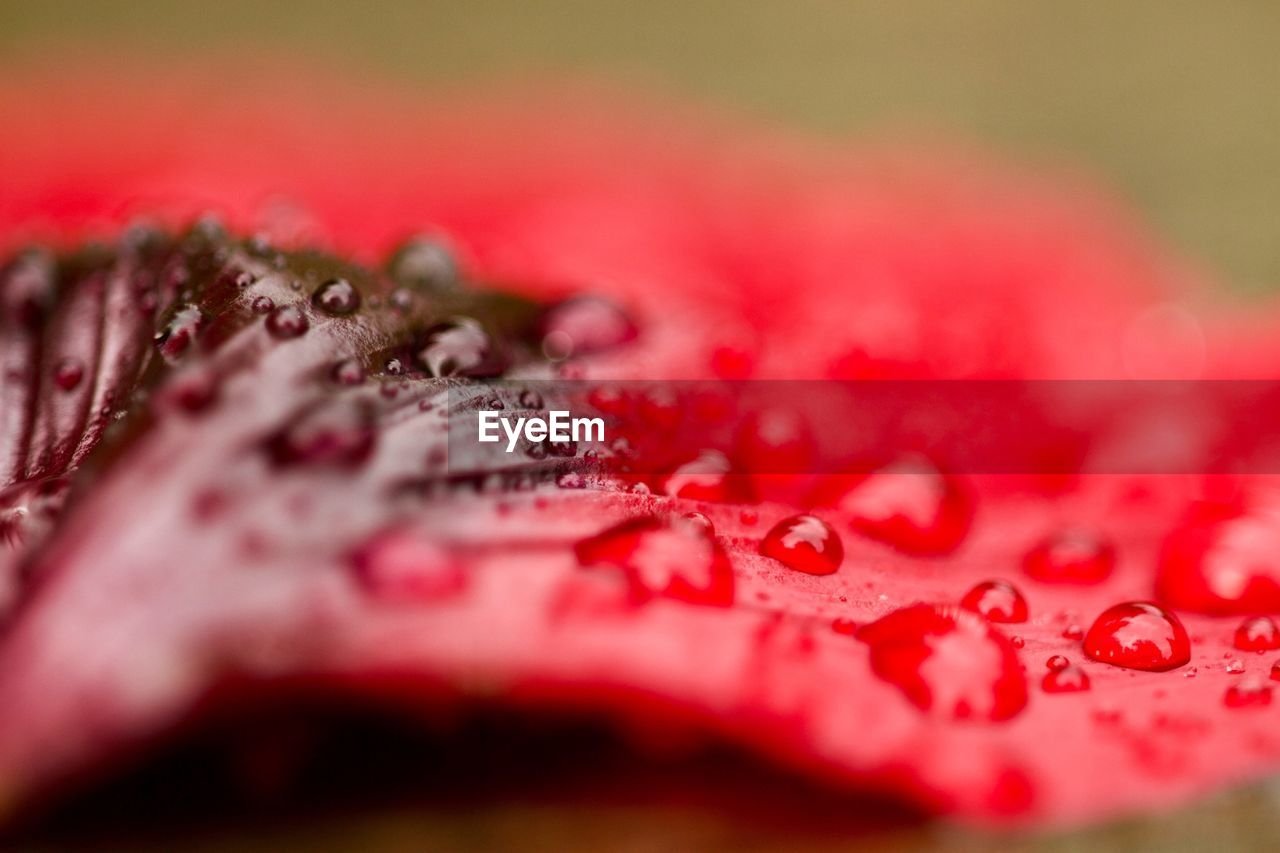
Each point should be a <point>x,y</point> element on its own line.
<point>948,661</point>
<point>1248,693</point>
<point>1068,679</point>
<point>847,627</point>
<point>176,336</point>
<point>68,373</point>
<point>700,520</point>
<point>262,304</point>
<point>399,566</point>
<point>1073,632</point>
<point>460,347</point>
<point>997,600</point>
<point>287,321</point>
<point>805,543</point>
<point>584,324</point>
<point>336,296</point>
<point>910,506</point>
<point>1190,673</point>
<point>423,264</point>
<point>401,299</point>
<point>1056,662</point>
<point>348,372</point>
<point>706,478</point>
<point>1275,671</point>
<point>748,517</point>
<point>1223,559</point>
<point>336,435</point>
<point>1138,635</point>
<point>670,558</point>
<point>1233,667</point>
<point>1071,556</point>
<point>393,367</point>
<point>1258,634</point>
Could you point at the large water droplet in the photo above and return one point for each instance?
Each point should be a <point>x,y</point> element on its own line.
<point>805,543</point>
<point>1138,635</point>
<point>911,506</point>
<point>1224,559</point>
<point>1056,662</point>
<point>287,321</point>
<point>947,661</point>
<point>460,347</point>
<point>1071,556</point>
<point>672,558</point>
<point>336,296</point>
<point>400,566</point>
<point>997,600</point>
<point>1258,634</point>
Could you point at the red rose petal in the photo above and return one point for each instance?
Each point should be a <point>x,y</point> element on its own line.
<point>207,547</point>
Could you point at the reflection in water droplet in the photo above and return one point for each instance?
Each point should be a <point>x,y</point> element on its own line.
<point>701,521</point>
<point>658,557</point>
<point>460,347</point>
<point>1258,634</point>
<point>948,661</point>
<point>805,543</point>
<point>1223,559</point>
<point>336,296</point>
<point>1068,679</point>
<point>287,321</point>
<point>1138,635</point>
<point>910,506</point>
<point>177,335</point>
<point>997,600</point>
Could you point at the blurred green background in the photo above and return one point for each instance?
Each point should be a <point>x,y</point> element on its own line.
<point>1175,104</point>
